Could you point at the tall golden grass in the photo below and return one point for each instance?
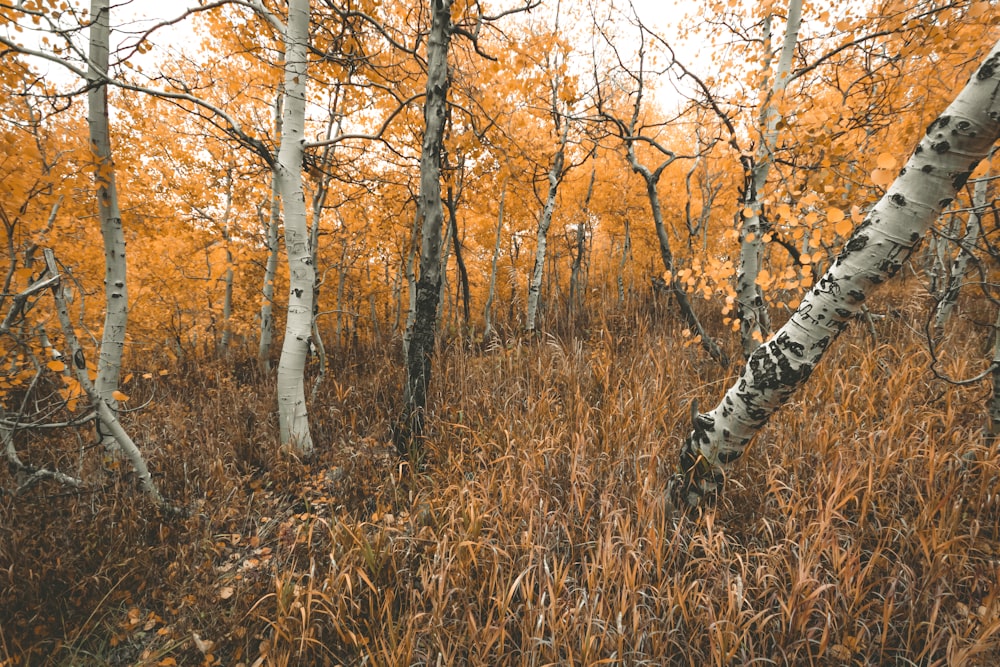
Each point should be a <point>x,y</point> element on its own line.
<point>864,527</point>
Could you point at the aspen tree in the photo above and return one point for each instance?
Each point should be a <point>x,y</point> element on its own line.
<point>755,323</point>
<point>430,215</point>
<point>941,164</point>
<point>115,279</point>
<point>293,418</point>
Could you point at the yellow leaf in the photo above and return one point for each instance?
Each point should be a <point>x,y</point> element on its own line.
<point>886,161</point>
<point>56,365</point>
<point>119,396</point>
<point>882,177</point>
<point>805,258</point>
<point>843,227</point>
<point>834,214</point>
<point>748,212</point>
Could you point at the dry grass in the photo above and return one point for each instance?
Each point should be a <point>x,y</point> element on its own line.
<point>535,531</point>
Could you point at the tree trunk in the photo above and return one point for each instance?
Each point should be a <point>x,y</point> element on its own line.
<point>751,309</point>
<point>667,257</point>
<point>961,264</point>
<point>227,276</point>
<point>488,310</point>
<point>115,290</point>
<point>463,272</point>
<point>942,163</point>
<point>575,297</point>
<point>293,419</point>
<point>431,215</point>
<point>271,267</point>
<point>555,176</point>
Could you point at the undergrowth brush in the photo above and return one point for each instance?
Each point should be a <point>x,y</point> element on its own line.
<point>863,528</point>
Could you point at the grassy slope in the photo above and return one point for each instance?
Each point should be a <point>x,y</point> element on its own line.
<point>536,532</point>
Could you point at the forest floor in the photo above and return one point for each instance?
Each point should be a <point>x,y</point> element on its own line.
<point>863,527</point>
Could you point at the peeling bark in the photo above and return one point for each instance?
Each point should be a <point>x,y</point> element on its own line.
<point>941,164</point>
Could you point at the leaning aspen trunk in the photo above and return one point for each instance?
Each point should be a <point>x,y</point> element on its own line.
<point>961,264</point>
<point>751,309</point>
<point>293,420</point>
<point>942,163</point>
<point>431,215</point>
<point>108,418</point>
<point>115,291</point>
<point>555,176</point>
<point>488,310</point>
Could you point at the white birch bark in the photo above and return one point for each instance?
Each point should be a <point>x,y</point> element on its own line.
<point>555,177</point>
<point>115,289</point>
<point>293,421</point>
<point>755,321</point>
<point>941,164</point>
<point>961,264</point>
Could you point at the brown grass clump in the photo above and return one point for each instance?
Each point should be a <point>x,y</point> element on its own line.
<point>864,529</point>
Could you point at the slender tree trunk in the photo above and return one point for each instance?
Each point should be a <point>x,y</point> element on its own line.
<point>555,176</point>
<point>272,227</point>
<point>463,273</point>
<point>626,251</point>
<point>443,288</point>
<point>667,257</point>
<point>575,297</point>
<point>751,309</point>
<point>488,310</point>
<point>431,215</point>
<point>115,290</point>
<point>411,285</point>
<point>227,276</point>
<point>961,264</point>
<point>942,163</point>
<point>993,430</point>
<point>293,419</point>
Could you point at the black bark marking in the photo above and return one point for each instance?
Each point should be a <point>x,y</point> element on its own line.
<point>939,124</point>
<point>989,68</point>
<point>959,180</point>
<point>857,243</point>
<point>898,200</point>
<point>726,458</point>
<point>856,296</point>
<point>941,147</point>
<point>927,168</point>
